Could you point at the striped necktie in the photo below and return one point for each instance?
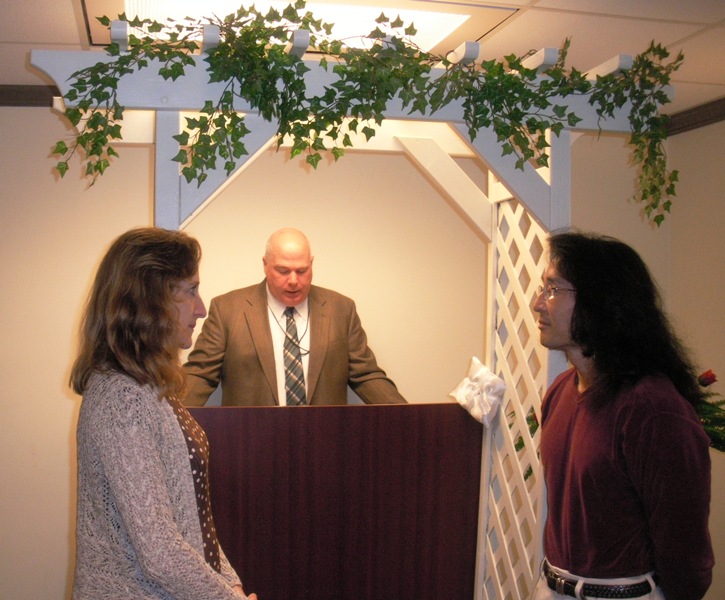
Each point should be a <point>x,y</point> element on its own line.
<point>294,377</point>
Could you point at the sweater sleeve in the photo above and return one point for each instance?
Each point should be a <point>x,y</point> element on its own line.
<point>670,467</point>
<point>129,445</point>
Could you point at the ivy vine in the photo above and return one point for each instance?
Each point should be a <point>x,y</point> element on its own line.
<point>520,104</point>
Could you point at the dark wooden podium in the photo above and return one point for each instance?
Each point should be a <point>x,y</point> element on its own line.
<point>347,502</point>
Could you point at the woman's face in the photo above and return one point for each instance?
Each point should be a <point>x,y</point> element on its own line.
<point>189,307</point>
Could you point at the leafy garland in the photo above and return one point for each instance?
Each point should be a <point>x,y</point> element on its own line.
<point>520,104</point>
<point>711,413</point>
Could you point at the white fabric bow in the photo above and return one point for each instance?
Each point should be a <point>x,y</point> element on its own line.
<point>480,393</point>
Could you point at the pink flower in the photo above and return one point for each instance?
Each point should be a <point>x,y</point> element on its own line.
<point>707,378</point>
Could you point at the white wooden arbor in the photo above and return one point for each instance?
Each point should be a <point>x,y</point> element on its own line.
<point>514,215</point>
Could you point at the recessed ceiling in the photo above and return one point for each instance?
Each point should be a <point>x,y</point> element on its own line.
<point>441,26</point>
<point>599,30</point>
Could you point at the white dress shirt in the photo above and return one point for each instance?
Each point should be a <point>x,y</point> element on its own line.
<point>278,326</point>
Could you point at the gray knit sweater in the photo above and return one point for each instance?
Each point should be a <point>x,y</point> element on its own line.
<point>138,532</point>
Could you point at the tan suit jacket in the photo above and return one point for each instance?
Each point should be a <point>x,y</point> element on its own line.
<point>235,348</point>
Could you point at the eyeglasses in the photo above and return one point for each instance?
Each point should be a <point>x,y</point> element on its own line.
<point>549,290</point>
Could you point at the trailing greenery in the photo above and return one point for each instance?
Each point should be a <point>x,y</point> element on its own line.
<point>521,105</point>
<point>643,86</point>
<point>711,412</point>
<point>519,444</point>
<point>712,415</point>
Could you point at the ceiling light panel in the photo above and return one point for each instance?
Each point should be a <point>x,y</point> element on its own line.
<point>442,25</point>
<point>351,22</point>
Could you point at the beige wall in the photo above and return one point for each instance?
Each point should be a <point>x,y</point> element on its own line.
<point>380,234</point>
<point>698,284</point>
<point>603,181</point>
<point>51,238</point>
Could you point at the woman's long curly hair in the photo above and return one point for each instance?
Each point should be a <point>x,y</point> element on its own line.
<point>129,322</point>
<point>618,319</point>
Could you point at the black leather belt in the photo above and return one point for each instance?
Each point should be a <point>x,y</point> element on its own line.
<point>567,587</point>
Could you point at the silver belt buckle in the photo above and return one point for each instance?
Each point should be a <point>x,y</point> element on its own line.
<point>560,581</point>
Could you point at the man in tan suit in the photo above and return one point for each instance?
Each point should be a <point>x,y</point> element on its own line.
<point>241,342</point>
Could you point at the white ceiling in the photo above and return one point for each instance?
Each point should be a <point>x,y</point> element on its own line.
<point>599,29</point>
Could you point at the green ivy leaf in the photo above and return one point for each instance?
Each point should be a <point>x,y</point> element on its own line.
<point>181,157</point>
<point>74,115</point>
<point>182,138</point>
<point>313,159</point>
<point>368,132</point>
<point>60,148</point>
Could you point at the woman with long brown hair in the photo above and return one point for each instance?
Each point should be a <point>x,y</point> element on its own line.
<point>144,524</point>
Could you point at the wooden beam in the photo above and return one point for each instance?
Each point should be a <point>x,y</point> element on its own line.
<point>439,167</point>
<point>699,116</point>
<point>685,120</point>
<point>28,95</point>
<point>147,90</point>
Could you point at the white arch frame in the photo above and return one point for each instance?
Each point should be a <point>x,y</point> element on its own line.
<point>536,200</point>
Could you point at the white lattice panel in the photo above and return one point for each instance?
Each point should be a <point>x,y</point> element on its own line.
<point>515,491</point>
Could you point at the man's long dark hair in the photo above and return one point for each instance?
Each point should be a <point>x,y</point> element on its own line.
<point>618,318</point>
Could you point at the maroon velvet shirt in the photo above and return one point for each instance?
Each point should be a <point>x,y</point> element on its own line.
<point>628,486</point>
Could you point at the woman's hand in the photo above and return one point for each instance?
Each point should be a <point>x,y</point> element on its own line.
<point>240,590</point>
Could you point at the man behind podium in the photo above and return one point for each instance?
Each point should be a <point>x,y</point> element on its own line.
<point>241,342</point>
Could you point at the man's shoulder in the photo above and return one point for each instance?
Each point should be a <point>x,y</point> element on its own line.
<point>240,294</point>
<point>656,394</point>
<point>328,296</point>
